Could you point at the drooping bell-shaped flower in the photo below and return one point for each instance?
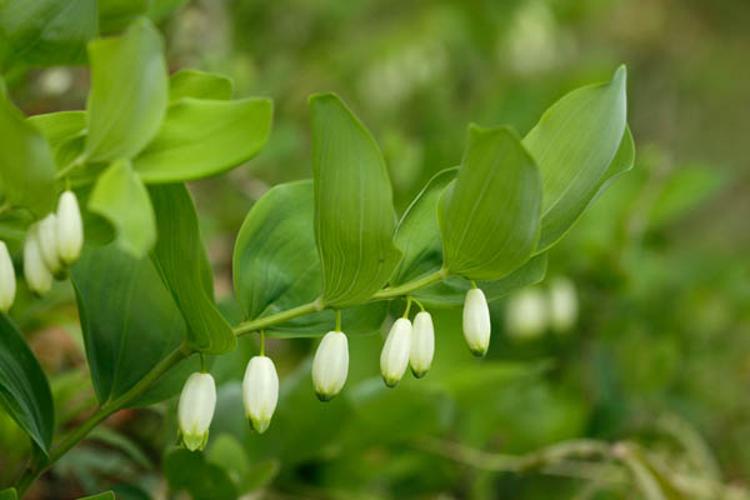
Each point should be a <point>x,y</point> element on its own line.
<point>196,410</point>
<point>563,304</point>
<point>47,234</point>
<point>260,392</point>
<point>422,344</point>
<point>394,358</point>
<point>38,277</point>
<point>526,314</point>
<point>7,279</point>
<point>330,365</point>
<point>477,322</point>
<point>69,228</point>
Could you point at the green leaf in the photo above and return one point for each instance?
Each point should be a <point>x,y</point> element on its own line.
<point>45,32</point>
<point>116,15</point>
<point>418,233</point>
<point>8,494</point>
<point>489,217</point>
<point>128,95</point>
<point>106,495</point>
<point>685,190</point>
<point>59,126</point>
<point>24,392</point>
<point>354,217</point>
<point>200,138</point>
<point>27,168</point>
<point>121,198</point>
<point>200,85</point>
<point>129,319</point>
<point>451,292</point>
<point>276,265</point>
<point>574,144</point>
<point>190,472</point>
<point>182,262</point>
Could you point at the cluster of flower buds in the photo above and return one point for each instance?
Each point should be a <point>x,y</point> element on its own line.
<point>51,245</point>
<point>532,310</point>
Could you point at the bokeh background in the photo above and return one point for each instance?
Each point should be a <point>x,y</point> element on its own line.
<point>659,355</point>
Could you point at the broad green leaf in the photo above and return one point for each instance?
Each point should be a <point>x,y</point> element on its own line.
<point>200,85</point>
<point>452,291</point>
<point>200,138</point>
<point>128,95</point>
<point>202,480</point>
<point>45,32</point>
<point>574,144</point>
<point>418,233</point>
<point>24,391</point>
<point>489,218</point>
<point>128,317</point>
<point>276,265</point>
<point>684,190</point>
<point>116,15</point>
<point>121,198</point>
<point>181,260</point>
<point>354,217</point>
<point>59,126</point>
<point>27,168</point>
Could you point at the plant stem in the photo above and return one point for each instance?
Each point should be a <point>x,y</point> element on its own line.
<point>274,319</point>
<point>34,470</point>
<point>411,286</point>
<point>77,162</point>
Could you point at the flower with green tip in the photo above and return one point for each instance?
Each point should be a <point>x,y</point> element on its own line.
<point>196,410</point>
<point>260,392</point>
<point>422,344</point>
<point>38,276</point>
<point>476,322</point>
<point>7,279</point>
<point>69,228</point>
<point>47,235</point>
<point>330,365</point>
<point>394,358</point>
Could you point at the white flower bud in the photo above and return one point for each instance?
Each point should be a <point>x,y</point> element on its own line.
<point>422,344</point>
<point>260,392</point>
<point>69,228</point>
<point>394,358</point>
<point>7,279</point>
<point>563,304</point>
<point>38,277</point>
<point>526,314</point>
<point>196,409</point>
<point>330,365</point>
<point>477,322</point>
<point>47,234</point>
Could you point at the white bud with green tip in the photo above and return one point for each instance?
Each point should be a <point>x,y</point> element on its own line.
<point>330,365</point>
<point>7,279</point>
<point>422,344</point>
<point>563,304</point>
<point>38,276</point>
<point>394,358</point>
<point>196,410</point>
<point>260,392</point>
<point>477,322</point>
<point>69,228</point>
<point>47,234</point>
<point>526,314</point>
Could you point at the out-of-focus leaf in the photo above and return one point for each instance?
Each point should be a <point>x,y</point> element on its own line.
<point>354,217</point>
<point>200,85</point>
<point>228,453</point>
<point>116,15</point>
<point>128,95</point>
<point>59,126</point>
<point>121,198</point>
<point>418,232</point>
<point>182,262</point>
<point>129,319</point>
<point>27,168</point>
<point>45,32</point>
<point>687,188</point>
<point>107,495</point>
<point>201,137</point>
<point>574,144</point>
<point>189,471</point>
<point>8,494</point>
<point>24,391</point>
<point>121,442</point>
<point>489,218</point>
<point>451,292</point>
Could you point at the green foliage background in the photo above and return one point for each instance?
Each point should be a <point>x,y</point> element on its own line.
<point>661,352</point>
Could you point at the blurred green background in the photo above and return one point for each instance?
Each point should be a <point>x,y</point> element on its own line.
<point>659,356</point>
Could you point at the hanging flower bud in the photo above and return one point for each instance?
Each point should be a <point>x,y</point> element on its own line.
<point>69,228</point>
<point>563,304</point>
<point>394,358</point>
<point>47,234</point>
<point>330,365</point>
<point>526,314</point>
<point>196,409</point>
<point>477,322</point>
<point>35,270</point>
<point>260,392</point>
<point>7,279</point>
<point>422,344</point>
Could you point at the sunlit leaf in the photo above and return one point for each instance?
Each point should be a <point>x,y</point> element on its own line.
<point>200,85</point>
